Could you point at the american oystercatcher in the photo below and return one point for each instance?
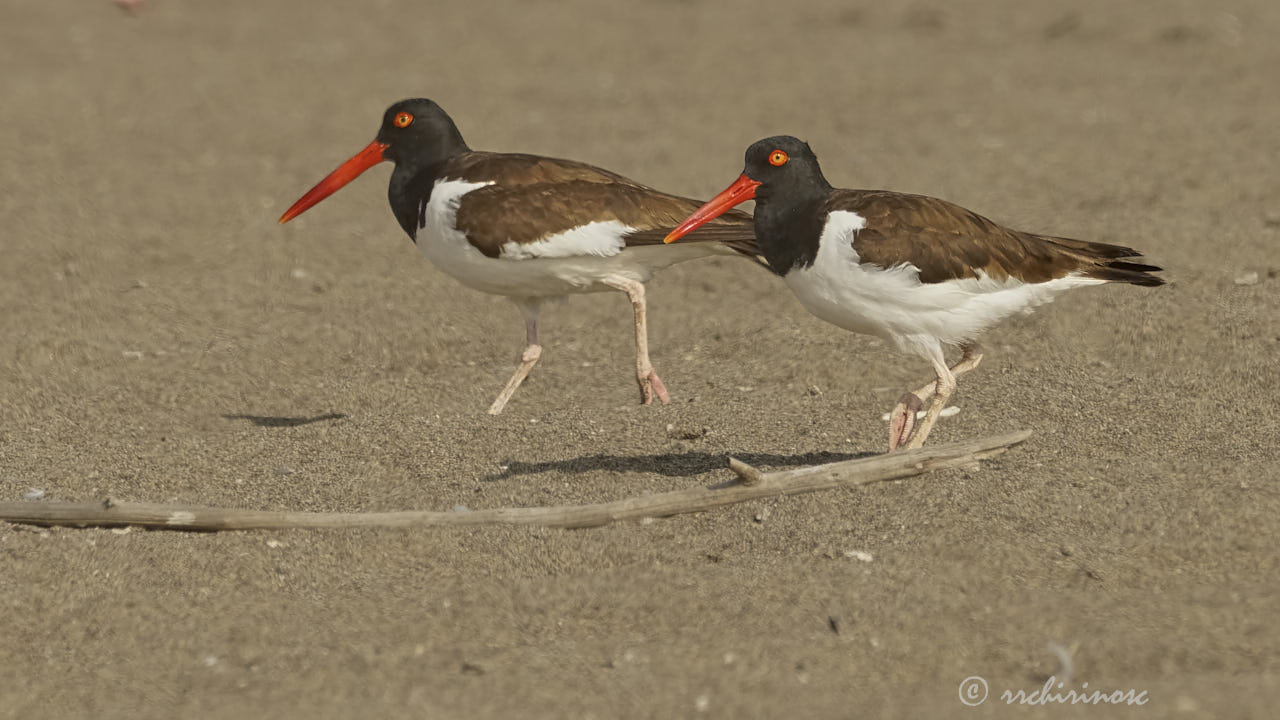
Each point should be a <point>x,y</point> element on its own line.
<point>528,227</point>
<point>916,271</point>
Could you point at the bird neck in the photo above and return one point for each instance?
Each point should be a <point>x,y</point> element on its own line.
<point>411,184</point>
<point>789,225</point>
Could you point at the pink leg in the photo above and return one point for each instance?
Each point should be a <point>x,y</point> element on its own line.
<point>945,385</point>
<point>650,384</point>
<point>529,358</point>
<point>129,6</point>
<point>902,421</point>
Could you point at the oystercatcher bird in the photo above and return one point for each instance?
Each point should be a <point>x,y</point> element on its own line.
<point>916,271</point>
<point>528,227</point>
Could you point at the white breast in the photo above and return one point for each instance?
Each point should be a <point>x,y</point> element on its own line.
<point>895,305</point>
<point>574,261</point>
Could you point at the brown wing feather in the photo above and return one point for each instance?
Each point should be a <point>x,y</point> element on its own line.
<point>536,197</point>
<point>948,242</point>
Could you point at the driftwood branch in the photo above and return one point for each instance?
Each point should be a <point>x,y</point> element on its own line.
<point>754,485</point>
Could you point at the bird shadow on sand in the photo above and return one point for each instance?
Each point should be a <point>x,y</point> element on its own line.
<point>279,422</point>
<point>668,464</point>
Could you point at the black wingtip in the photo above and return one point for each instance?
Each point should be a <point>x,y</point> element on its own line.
<point>1128,272</point>
<point>1133,266</point>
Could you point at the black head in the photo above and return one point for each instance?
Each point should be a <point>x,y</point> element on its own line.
<point>416,132</point>
<point>784,165</point>
<point>416,135</point>
<point>783,177</point>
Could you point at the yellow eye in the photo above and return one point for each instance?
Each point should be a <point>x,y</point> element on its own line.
<point>777,157</point>
<point>403,120</point>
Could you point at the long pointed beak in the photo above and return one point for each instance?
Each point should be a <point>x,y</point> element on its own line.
<point>742,190</point>
<point>350,170</point>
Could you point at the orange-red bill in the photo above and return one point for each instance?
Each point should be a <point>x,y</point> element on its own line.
<point>350,170</point>
<point>742,190</point>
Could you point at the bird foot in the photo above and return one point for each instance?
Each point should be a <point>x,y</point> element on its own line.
<point>129,6</point>
<point>651,386</point>
<point>902,420</point>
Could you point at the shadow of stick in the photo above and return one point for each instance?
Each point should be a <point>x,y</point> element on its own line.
<point>277,422</point>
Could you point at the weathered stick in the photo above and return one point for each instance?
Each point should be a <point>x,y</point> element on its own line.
<point>755,485</point>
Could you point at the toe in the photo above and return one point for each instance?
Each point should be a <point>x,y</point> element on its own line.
<point>658,388</point>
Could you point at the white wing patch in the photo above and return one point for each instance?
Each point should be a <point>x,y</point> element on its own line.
<point>601,239</point>
<point>441,210</point>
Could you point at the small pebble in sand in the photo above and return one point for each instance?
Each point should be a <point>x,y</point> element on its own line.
<point>862,555</point>
<point>1249,278</point>
<point>33,493</point>
<point>1185,704</point>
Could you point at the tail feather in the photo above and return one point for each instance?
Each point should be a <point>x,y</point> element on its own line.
<point>1108,262</point>
<point>1093,249</point>
<point>1126,272</point>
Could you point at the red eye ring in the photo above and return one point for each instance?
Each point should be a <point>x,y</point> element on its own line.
<point>403,120</point>
<point>777,158</point>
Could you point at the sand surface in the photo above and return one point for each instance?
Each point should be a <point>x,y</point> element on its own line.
<point>161,339</point>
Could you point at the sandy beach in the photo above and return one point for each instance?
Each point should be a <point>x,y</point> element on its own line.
<point>163,339</point>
